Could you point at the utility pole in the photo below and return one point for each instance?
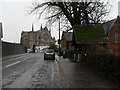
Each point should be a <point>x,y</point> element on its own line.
<point>32,27</point>
<point>59,34</point>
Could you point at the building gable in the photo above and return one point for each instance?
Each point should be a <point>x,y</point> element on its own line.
<point>115,25</point>
<point>114,32</point>
<point>107,26</point>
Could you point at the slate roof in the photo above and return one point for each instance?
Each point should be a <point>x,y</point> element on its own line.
<point>100,40</point>
<point>89,34</point>
<point>68,36</point>
<point>88,37</point>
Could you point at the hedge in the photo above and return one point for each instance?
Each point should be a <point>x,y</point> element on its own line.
<point>108,64</point>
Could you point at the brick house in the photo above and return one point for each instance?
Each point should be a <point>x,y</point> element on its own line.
<point>112,28</point>
<point>66,41</point>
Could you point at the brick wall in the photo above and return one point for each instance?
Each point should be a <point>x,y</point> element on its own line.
<point>115,48</point>
<point>12,49</point>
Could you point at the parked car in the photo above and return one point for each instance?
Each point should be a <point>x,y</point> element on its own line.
<point>49,54</point>
<point>29,50</point>
<point>64,54</point>
<point>60,53</point>
<point>43,50</point>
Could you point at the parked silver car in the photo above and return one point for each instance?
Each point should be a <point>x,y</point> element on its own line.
<point>49,54</point>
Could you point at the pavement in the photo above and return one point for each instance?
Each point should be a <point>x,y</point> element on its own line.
<point>78,75</point>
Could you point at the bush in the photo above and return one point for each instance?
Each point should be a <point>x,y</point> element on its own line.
<point>69,54</point>
<point>109,64</point>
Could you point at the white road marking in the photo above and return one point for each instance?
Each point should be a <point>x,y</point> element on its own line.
<point>14,58</point>
<point>15,63</point>
<point>26,58</point>
<point>12,64</point>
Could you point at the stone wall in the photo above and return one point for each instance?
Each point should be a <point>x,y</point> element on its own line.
<point>12,48</point>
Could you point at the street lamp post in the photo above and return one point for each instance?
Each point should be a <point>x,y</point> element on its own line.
<point>59,35</point>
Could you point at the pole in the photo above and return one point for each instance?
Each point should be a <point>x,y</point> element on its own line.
<point>59,34</point>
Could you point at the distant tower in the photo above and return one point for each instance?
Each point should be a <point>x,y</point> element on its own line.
<point>32,27</point>
<point>119,8</point>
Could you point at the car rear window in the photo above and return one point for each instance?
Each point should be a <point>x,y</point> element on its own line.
<point>50,51</point>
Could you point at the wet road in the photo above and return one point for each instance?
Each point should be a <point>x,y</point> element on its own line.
<point>18,65</point>
<point>44,73</point>
<point>32,71</point>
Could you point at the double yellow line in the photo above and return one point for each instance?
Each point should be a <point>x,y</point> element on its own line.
<point>66,84</point>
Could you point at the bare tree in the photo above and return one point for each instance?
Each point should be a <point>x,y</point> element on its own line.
<point>72,13</point>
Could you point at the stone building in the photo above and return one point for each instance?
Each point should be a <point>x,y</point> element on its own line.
<point>33,38</point>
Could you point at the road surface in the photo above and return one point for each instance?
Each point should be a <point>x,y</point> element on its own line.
<point>30,70</point>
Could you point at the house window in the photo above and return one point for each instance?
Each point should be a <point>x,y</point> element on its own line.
<point>117,37</point>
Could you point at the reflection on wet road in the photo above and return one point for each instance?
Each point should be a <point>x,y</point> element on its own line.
<point>47,76</point>
<point>46,73</point>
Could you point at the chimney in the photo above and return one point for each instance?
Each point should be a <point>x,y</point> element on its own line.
<point>119,8</point>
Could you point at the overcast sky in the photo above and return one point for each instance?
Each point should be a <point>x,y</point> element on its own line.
<point>15,18</point>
